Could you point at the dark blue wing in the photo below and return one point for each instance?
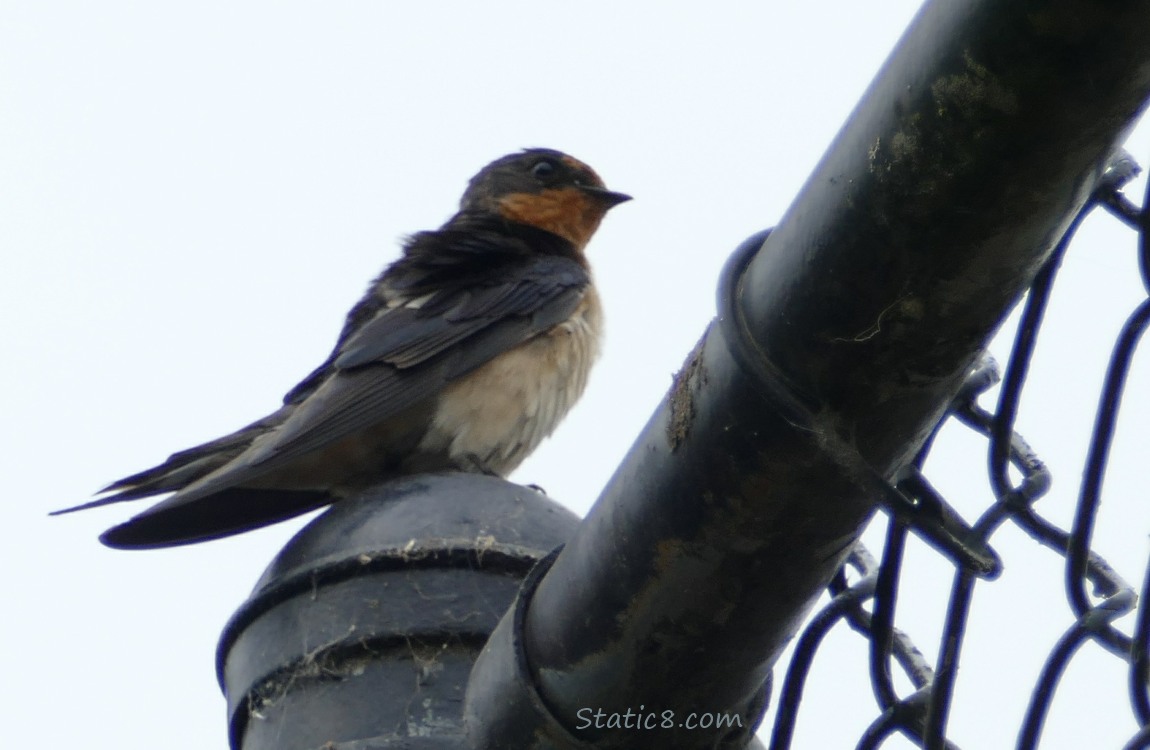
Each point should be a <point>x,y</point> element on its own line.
<point>404,355</point>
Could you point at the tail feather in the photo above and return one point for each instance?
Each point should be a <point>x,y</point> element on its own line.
<point>172,475</point>
<point>178,521</point>
<point>167,476</point>
<point>183,467</point>
<point>97,503</point>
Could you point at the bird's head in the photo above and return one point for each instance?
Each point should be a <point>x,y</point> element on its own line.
<point>545,189</point>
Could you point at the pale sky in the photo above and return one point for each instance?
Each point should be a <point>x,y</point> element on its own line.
<point>193,195</point>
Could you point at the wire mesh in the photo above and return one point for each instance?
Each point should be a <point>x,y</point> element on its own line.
<point>864,594</point>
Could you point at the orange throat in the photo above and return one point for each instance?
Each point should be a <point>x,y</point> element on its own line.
<point>567,212</point>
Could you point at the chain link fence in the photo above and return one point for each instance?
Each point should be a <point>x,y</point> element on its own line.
<point>865,593</point>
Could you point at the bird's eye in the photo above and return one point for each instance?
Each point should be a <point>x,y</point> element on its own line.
<point>543,169</point>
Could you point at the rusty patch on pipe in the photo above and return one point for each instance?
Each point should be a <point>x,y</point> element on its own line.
<point>682,397</point>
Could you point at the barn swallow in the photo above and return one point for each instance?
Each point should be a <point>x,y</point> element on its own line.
<point>463,355</point>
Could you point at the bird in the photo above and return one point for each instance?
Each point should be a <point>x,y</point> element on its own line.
<point>463,355</point>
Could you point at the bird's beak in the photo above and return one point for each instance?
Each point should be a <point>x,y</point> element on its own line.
<point>607,197</point>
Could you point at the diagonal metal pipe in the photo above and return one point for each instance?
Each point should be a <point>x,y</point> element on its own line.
<point>840,342</point>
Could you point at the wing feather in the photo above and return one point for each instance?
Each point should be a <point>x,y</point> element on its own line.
<point>403,356</point>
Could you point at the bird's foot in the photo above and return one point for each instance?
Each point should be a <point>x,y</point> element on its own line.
<point>476,465</point>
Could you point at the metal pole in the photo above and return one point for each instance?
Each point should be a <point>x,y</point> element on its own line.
<point>839,345</point>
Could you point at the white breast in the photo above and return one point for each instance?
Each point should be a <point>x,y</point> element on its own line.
<point>499,413</point>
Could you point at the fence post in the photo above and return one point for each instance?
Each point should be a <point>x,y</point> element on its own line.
<point>362,632</point>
